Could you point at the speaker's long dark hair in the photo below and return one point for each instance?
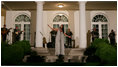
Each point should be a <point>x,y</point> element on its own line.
<point>62,28</point>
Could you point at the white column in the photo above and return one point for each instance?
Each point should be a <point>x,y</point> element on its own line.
<point>39,24</point>
<point>82,31</point>
<point>76,26</point>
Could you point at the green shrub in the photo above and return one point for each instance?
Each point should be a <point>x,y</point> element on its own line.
<point>14,54</point>
<point>102,49</point>
<point>3,45</point>
<point>25,45</point>
<point>90,51</point>
<point>107,53</point>
<point>97,41</point>
<point>106,41</point>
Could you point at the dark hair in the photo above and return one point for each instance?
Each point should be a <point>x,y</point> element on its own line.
<point>63,28</point>
<point>4,24</point>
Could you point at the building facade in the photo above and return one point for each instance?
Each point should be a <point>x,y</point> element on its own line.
<point>35,22</point>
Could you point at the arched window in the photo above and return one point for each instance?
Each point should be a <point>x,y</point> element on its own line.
<point>22,21</point>
<point>99,18</point>
<point>22,18</point>
<point>99,22</point>
<point>60,18</point>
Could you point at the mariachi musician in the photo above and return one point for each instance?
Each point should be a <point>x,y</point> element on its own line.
<point>16,34</point>
<point>4,32</point>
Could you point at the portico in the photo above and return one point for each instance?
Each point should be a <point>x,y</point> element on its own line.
<point>79,16</point>
<point>82,24</point>
<point>33,17</point>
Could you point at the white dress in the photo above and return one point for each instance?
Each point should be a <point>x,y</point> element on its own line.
<point>59,44</point>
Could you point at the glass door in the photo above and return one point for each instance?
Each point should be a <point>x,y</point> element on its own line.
<point>104,31</point>
<point>27,32</point>
<point>96,26</point>
<point>26,28</point>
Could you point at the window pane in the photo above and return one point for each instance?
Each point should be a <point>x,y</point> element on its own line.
<point>96,26</point>
<point>22,18</point>
<point>104,31</point>
<point>27,32</point>
<point>55,25</point>
<point>60,18</point>
<point>100,18</point>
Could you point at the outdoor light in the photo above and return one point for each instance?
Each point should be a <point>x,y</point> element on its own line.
<point>60,14</point>
<point>60,5</point>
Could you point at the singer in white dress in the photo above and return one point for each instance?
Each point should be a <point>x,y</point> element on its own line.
<point>59,42</point>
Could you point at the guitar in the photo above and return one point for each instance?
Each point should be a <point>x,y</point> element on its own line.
<point>4,31</point>
<point>18,32</point>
